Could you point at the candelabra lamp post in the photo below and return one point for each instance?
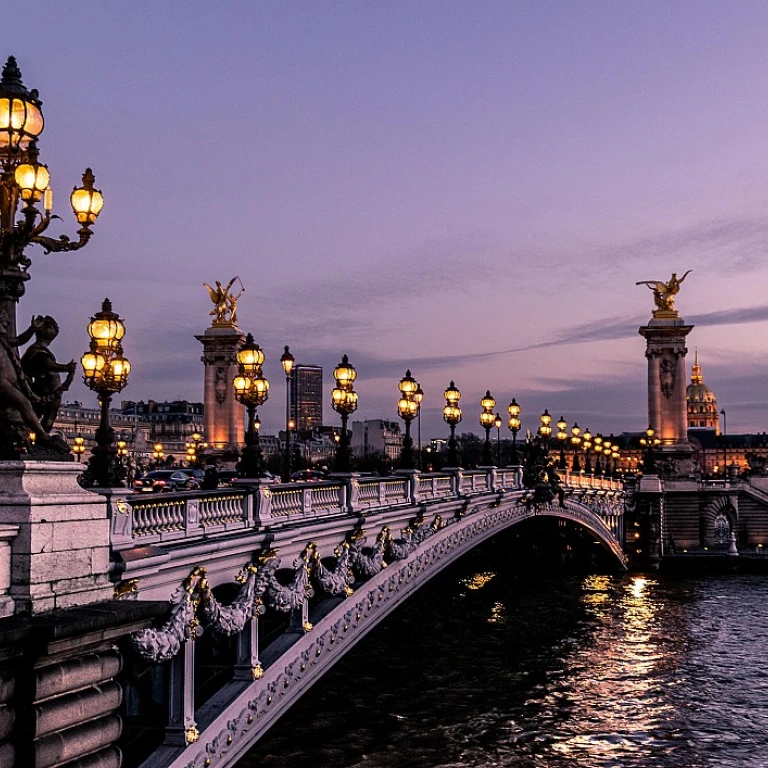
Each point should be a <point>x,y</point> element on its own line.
<point>586,442</point>
<point>607,452</point>
<point>616,456</point>
<point>545,428</point>
<point>514,428</point>
<point>158,453</point>
<point>497,422</point>
<point>649,442</point>
<point>78,447</point>
<point>287,361</point>
<point>344,402</point>
<point>598,449</point>
<point>24,182</point>
<point>251,390</point>
<point>105,371</point>
<point>725,444</point>
<point>576,443</point>
<point>562,436</point>
<point>487,419</point>
<point>418,396</point>
<point>407,410</point>
<point>194,447</point>
<point>452,416</point>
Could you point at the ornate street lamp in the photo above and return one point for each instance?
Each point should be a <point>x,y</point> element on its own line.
<point>24,181</point>
<point>452,416</point>
<point>586,441</point>
<point>562,436</point>
<point>251,390</point>
<point>195,445</point>
<point>105,371</point>
<point>650,441</point>
<point>514,428</point>
<point>344,402</point>
<point>545,429</point>
<point>598,449</point>
<point>287,361</point>
<point>158,453</point>
<point>78,447</point>
<point>407,410</point>
<point>418,396</point>
<point>497,422</point>
<point>487,419</point>
<point>576,443</point>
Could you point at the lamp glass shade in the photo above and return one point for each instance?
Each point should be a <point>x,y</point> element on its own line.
<point>545,418</point>
<point>487,419</point>
<point>404,407</point>
<point>562,424</point>
<point>514,409</point>
<point>344,373</point>
<point>418,395</point>
<point>408,385</point>
<point>287,360</point>
<point>250,356</point>
<point>32,180</point>
<point>241,384</point>
<point>87,203</point>
<point>452,395</point>
<point>20,121</point>
<point>488,403</point>
<point>514,423</point>
<point>119,368</point>
<point>93,363</point>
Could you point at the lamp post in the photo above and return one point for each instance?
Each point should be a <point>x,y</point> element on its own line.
<point>344,402</point>
<point>251,390</point>
<point>576,443</point>
<point>598,448</point>
<point>650,441</point>
<point>24,181</point>
<point>452,416</point>
<point>79,446</point>
<point>418,396</point>
<point>287,361</point>
<point>193,447</point>
<point>497,422</point>
<point>407,410</point>
<point>487,419</point>
<point>545,428</point>
<point>725,445</point>
<point>157,453</point>
<point>105,371</point>
<point>586,441</point>
<point>562,436</point>
<point>514,428</point>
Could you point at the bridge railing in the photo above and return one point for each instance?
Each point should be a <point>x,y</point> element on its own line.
<point>144,519</point>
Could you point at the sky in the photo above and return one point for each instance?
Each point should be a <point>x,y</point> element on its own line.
<point>468,190</point>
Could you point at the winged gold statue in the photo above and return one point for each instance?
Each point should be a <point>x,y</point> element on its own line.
<point>664,293</point>
<point>224,302</point>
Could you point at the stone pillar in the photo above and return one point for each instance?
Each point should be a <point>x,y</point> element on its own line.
<point>224,420</point>
<point>665,337</point>
<point>60,556</point>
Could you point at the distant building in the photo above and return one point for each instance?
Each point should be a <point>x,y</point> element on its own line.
<point>701,401</point>
<point>306,402</point>
<point>377,436</point>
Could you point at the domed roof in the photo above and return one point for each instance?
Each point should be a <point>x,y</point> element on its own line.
<point>697,391</point>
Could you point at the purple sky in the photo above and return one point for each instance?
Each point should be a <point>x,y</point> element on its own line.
<point>470,190</point>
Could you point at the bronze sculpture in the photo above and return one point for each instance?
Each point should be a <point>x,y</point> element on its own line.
<point>664,293</point>
<point>224,302</point>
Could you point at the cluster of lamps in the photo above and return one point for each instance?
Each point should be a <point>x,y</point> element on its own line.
<point>408,408</point>
<point>251,390</point>
<point>649,442</point>
<point>193,448</point>
<point>344,402</point>
<point>487,422</point>
<point>105,371</point>
<point>25,181</point>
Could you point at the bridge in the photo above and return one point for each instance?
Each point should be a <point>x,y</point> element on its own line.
<point>331,559</point>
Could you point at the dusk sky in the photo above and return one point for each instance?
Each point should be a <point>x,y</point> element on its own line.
<point>470,190</point>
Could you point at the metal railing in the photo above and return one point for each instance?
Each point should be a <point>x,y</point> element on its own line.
<point>142,519</point>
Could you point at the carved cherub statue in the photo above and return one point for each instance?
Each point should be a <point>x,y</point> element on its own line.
<point>664,293</point>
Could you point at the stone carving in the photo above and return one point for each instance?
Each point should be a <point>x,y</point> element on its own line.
<point>224,310</point>
<point>667,376</point>
<point>43,372</point>
<point>21,404</point>
<point>367,565</point>
<point>664,293</point>
<point>220,384</point>
<point>412,536</point>
<point>339,580</point>
<point>163,644</point>
<point>231,619</point>
<point>291,597</point>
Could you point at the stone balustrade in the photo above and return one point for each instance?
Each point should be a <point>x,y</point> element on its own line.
<point>139,520</point>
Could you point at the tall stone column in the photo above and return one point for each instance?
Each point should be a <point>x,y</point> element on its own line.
<point>665,337</point>
<point>223,414</point>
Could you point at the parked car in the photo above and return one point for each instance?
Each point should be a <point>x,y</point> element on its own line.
<point>228,476</point>
<point>196,474</point>
<point>164,480</point>
<point>307,476</point>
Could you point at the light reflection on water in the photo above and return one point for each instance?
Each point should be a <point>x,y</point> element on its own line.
<point>633,671</point>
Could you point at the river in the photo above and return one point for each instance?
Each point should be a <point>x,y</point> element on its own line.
<point>490,666</point>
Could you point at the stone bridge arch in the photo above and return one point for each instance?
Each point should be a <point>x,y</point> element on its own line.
<point>239,714</point>
<point>718,519</point>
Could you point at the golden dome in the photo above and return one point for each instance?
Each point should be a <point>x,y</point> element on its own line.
<point>702,403</point>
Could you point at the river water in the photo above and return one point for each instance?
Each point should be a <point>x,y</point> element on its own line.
<point>489,666</point>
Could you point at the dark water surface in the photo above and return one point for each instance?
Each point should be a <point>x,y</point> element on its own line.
<point>494,668</point>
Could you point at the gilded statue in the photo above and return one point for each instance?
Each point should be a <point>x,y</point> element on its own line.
<point>664,293</point>
<point>224,310</point>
